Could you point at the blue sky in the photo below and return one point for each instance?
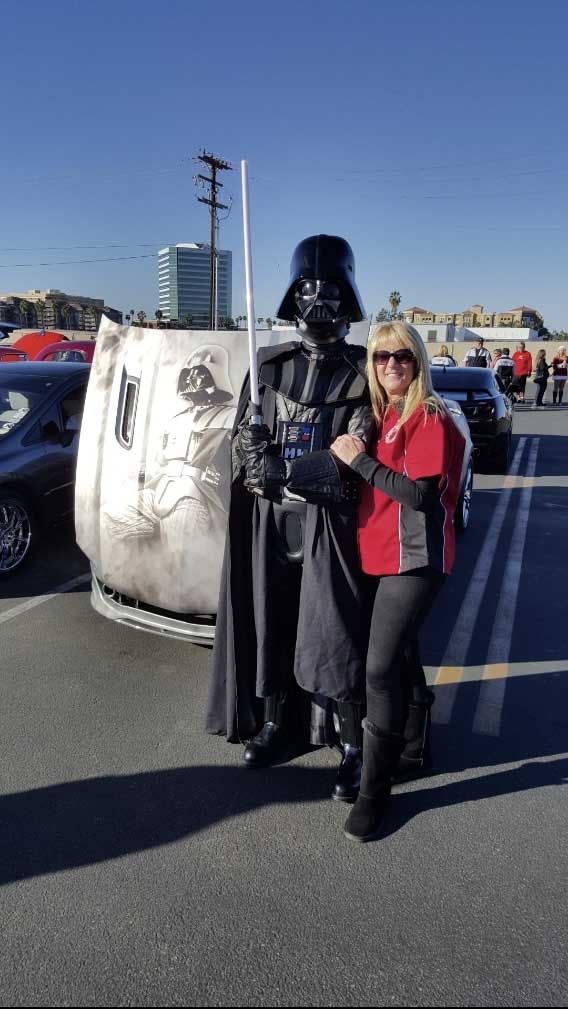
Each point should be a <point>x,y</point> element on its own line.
<point>433,136</point>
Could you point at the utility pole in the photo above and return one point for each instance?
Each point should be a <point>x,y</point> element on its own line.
<point>214,164</point>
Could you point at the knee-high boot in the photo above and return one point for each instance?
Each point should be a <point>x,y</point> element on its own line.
<point>416,757</point>
<point>381,752</point>
<point>346,787</point>
<point>270,743</point>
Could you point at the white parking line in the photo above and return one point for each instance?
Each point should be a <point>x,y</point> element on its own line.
<point>15,611</point>
<point>455,655</point>
<point>487,717</point>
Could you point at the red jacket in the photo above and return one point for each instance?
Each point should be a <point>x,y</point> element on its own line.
<point>523,362</point>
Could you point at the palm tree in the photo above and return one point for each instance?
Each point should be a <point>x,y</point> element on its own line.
<point>131,313</point>
<point>127,318</point>
<point>65,312</point>
<point>23,309</point>
<point>40,313</point>
<point>269,323</point>
<point>141,315</point>
<point>187,319</point>
<point>382,315</point>
<point>394,302</point>
<point>159,315</point>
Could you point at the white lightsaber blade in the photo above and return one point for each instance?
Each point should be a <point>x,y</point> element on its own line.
<point>253,370</point>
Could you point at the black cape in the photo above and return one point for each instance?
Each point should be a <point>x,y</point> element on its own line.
<point>332,628</point>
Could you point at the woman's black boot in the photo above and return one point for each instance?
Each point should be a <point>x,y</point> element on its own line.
<point>416,757</point>
<point>381,752</point>
<point>270,744</point>
<point>346,788</point>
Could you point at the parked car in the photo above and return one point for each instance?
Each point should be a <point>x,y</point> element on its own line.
<point>68,350</point>
<point>9,355</point>
<point>487,408</point>
<point>153,475</point>
<point>40,413</point>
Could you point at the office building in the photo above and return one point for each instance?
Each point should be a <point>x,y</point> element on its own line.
<point>54,309</point>
<point>183,278</point>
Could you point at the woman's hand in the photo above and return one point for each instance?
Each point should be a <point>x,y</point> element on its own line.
<point>346,447</point>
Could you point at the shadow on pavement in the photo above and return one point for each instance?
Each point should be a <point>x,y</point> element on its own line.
<point>537,774</point>
<point>525,717</point>
<point>81,823</point>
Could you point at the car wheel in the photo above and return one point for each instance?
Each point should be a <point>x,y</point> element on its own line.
<point>17,529</point>
<point>463,508</point>
<point>502,454</point>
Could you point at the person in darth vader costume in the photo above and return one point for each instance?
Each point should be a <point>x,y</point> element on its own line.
<point>292,626</point>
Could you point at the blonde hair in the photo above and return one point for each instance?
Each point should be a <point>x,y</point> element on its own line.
<point>401,336</point>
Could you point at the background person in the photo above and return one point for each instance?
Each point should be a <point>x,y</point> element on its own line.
<point>478,356</point>
<point>523,368</point>
<point>559,374</point>
<point>406,544</point>
<point>444,359</point>
<point>540,379</point>
<point>495,355</point>
<point>504,366</point>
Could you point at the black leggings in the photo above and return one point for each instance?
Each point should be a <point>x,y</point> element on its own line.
<point>541,386</point>
<point>394,671</point>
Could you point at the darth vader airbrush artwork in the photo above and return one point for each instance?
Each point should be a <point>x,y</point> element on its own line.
<point>183,491</point>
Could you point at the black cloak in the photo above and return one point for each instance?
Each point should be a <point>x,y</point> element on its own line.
<point>331,639</point>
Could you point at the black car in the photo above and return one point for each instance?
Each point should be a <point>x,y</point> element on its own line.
<point>41,405</point>
<point>488,410</point>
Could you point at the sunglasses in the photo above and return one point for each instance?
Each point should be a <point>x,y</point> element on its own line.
<point>382,357</point>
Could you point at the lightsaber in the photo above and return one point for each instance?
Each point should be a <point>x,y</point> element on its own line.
<point>256,417</point>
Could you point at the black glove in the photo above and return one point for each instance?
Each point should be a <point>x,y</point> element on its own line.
<point>253,439</point>
<point>265,471</point>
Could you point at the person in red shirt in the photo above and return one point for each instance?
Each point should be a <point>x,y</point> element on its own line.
<point>411,475</point>
<point>523,368</point>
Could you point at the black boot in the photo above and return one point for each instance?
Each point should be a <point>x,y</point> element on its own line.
<point>270,743</point>
<point>416,757</point>
<point>381,752</point>
<point>346,788</point>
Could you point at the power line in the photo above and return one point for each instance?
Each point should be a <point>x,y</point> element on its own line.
<point>73,262</point>
<point>62,248</point>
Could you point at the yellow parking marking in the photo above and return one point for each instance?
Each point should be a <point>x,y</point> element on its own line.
<point>495,670</point>
<point>449,674</point>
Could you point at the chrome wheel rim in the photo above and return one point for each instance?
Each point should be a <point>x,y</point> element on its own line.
<point>466,499</point>
<point>15,535</point>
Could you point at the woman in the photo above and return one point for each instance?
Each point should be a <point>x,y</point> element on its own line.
<point>559,375</point>
<point>541,371</point>
<point>410,489</point>
<point>444,358</point>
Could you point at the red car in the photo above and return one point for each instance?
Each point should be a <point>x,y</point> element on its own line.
<point>11,354</point>
<point>68,350</point>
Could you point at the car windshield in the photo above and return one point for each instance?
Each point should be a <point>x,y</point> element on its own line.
<point>18,396</point>
<point>67,355</point>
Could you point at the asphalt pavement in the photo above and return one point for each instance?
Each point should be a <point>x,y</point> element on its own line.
<point>142,865</point>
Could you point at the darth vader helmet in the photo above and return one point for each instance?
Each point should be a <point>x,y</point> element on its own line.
<point>205,378</point>
<point>322,295</point>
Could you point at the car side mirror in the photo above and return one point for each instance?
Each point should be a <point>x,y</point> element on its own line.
<point>66,438</point>
<point>51,433</point>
